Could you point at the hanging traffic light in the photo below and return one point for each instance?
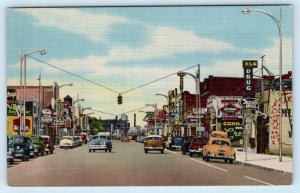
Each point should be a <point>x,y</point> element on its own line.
<point>120,99</point>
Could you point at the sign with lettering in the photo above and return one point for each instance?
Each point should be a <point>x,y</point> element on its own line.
<point>248,66</point>
<point>233,129</point>
<point>181,75</point>
<point>250,103</point>
<point>181,111</point>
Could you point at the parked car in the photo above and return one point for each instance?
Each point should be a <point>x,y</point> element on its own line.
<point>186,144</point>
<point>219,147</point>
<point>66,142</point>
<point>49,145</point>
<point>21,145</point>
<point>10,151</point>
<point>196,146</point>
<point>154,143</point>
<point>99,143</point>
<point>77,141</point>
<point>125,138</point>
<point>176,143</point>
<point>39,144</point>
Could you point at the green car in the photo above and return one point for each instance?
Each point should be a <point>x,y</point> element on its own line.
<point>38,143</point>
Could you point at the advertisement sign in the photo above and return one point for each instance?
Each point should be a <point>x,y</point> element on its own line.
<point>46,119</point>
<point>249,103</point>
<point>13,125</point>
<point>11,96</point>
<point>59,109</point>
<point>12,109</point>
<point>181,111</point>
<point>234,129</point>
<point>248,66</point>
<point>181,75</point>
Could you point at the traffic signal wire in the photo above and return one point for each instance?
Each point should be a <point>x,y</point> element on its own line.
<point>157,80</point>
<point>78,76</point>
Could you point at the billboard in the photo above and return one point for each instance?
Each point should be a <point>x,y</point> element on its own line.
<point>13,125</point>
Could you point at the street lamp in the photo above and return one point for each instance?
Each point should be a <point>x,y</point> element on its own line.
<point>23,57</point>
<point>168,108</point>
<point>88,125</point>
<point>56,98</point>
<point>279,25</point>
<point>155,107</point>
<point>82,110</point>
<point>198,95</point>
<point>74,114</point>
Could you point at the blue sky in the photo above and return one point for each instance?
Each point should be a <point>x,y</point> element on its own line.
<point>124,47</point>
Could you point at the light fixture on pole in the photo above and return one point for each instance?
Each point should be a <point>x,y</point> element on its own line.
<point>74,114</point>
<point>279,25</point>
<point>23,61</point>
<point>56,111</point>
<point>81,114</point>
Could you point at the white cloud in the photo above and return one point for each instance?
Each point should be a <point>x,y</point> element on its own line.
<point>94,26</point>
<point>167,42</point>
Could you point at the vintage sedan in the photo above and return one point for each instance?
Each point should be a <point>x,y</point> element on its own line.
<point>186,144</point>
<point>10,151</point>
<point>219,147</point>
<point>176,143</point>
<point>38,144</point>
<point>99,143</point>
<point>49,146</point>
<point>66,142</point>
<point>21,145</point>
<point>197,145</point>
<point>125,137</point>
<point>154,143</point>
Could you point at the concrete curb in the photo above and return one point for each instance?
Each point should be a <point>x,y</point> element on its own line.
<point>262,167</point>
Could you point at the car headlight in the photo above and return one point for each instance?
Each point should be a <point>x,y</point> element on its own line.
<point>35,146</point>
<point>30,147</point>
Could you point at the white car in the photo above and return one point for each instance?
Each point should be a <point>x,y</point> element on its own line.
<point>66,142</point>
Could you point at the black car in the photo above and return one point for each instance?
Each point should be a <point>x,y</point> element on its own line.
<point>10,151</point>
<point>176,143</point>
<point>186,144</point>
<point>22,146</point>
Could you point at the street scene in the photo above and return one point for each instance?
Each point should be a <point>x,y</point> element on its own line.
<point>149,96</point>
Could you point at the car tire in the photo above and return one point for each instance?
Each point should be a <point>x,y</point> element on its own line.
<point>106,150</point>
<point>11,161</point>
<point>225,160</point>
<point>146,151</point>
<point>90,150</point>
<point>51,152</point>
<point>42,154</point>
<point>94,150</point>
<point>191,155</point>
<point>47,152</point>
<point>162,151</point>
<point>109,150</point>
<point>231,161</point>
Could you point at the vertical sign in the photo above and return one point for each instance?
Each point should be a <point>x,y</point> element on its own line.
<point>248,66</point>
<point>181,75</point>
<point>181,111</point>
<point>59,109</point>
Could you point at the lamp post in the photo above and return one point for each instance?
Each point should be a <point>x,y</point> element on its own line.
<point>23,57</point>
<point>198,98</point>
<point>74,114</point>
<point>57,97</point>
<point>155,107</point>
<point>279,25</point>
<point>166,97</point>
<point>82,110</point>
<point>88,125</point>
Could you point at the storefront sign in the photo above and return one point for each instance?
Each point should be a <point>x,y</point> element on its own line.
<point>46,119</point>
<point>248,66</point>
<point>59,109</point>
<point>11,96</point>
<point>181,111</point>
<point>234,129</point>
<point>250,103</point>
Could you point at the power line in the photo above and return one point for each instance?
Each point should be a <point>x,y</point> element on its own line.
<point>107,87</point>
<point>103,112</point>
<point>133,110</point>
<point>74,74</point>
<point>157,80</point>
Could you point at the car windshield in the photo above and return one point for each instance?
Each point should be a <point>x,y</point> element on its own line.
<point>18,139</point>
<point>69,138</point>
<point>45,139</point>
<point>154,138</point>
<point>220,142</point>
<point>34,138</point>
<point>177,139</point>
<point>200,141</point>
<point>94,137</point>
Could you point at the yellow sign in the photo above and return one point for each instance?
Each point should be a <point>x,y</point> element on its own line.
<point>13,125</point>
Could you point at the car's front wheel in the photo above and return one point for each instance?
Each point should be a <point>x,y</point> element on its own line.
<point>162,151</point>
<point>191,155</point>
<point>146,151</point>
<point>90,150</point>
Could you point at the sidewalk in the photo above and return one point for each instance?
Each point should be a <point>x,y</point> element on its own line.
<point>265,161</point>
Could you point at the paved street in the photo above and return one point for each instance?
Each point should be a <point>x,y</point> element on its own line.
<point>128,165</point>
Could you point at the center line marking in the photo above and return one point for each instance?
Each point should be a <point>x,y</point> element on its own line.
<point>258,180</point>
<point>209,165</point>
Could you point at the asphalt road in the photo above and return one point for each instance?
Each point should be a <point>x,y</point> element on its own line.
<point>128,165</point>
